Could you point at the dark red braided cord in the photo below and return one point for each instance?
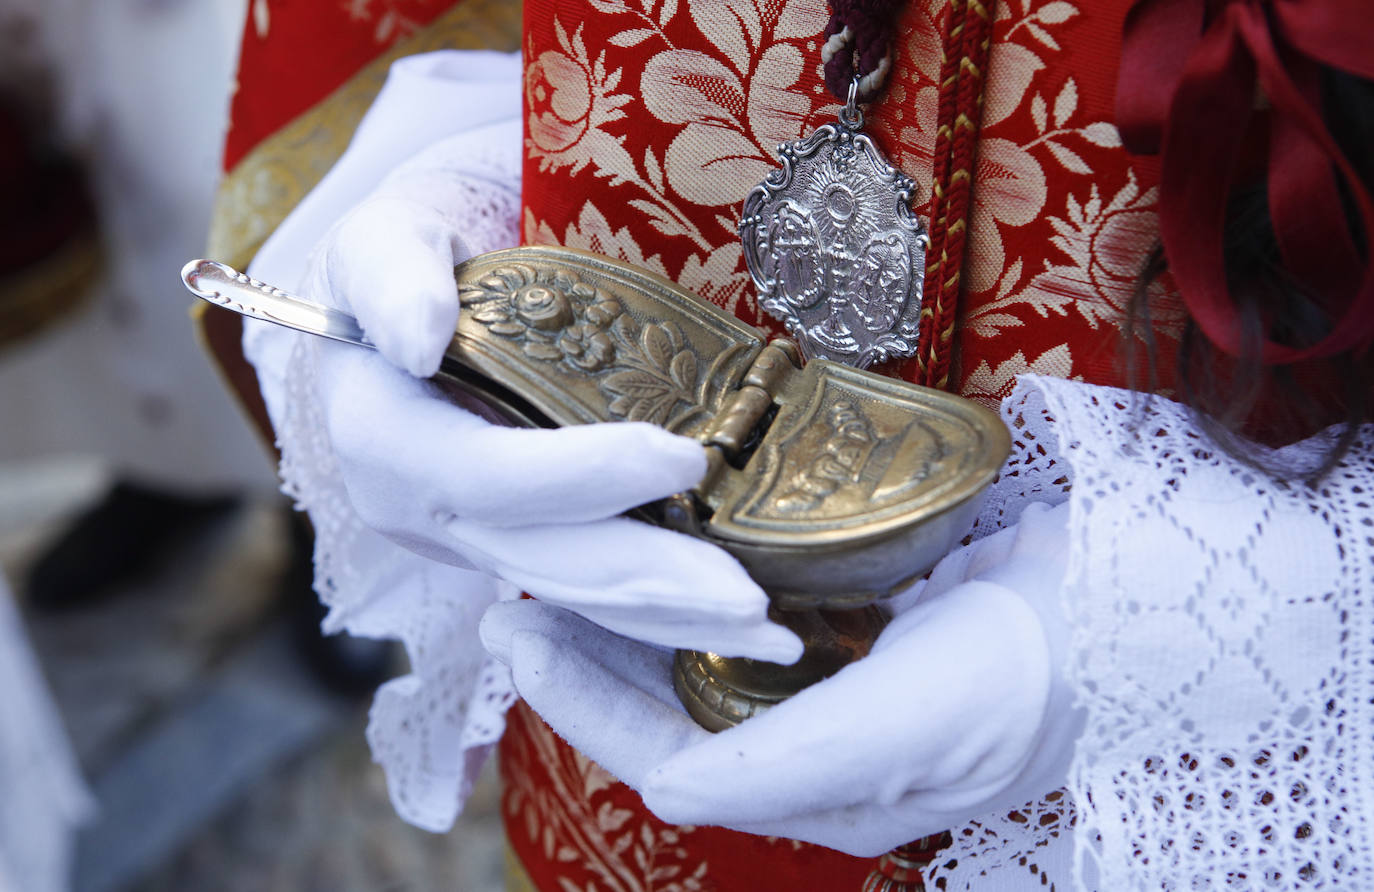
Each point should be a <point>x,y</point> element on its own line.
<point>858,43</point>
<point>967,39</point>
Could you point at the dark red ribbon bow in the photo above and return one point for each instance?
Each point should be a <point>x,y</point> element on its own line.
<point>1189,69</point>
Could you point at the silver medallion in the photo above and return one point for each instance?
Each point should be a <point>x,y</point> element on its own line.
<point>834,249</point>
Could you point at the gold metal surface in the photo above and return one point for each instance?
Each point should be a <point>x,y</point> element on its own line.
<point>583,338</point>
<point>721,692</point>
<point>833,486</point>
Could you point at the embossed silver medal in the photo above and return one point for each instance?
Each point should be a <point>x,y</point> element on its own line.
<point>833,247</point>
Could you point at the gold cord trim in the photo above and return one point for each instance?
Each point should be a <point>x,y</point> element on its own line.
<point>263,188</point>
<point>517,880</point>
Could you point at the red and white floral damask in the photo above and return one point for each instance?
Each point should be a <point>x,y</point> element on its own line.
<point>648,121</point>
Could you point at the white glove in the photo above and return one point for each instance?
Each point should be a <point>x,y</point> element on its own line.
<point>959,710</point>
<point>537,508</point>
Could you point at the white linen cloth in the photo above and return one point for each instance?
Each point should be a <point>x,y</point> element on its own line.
<point>44,799</point>
<point>1221,625</point>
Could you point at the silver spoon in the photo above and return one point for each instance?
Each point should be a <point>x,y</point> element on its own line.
<point>224,286</point>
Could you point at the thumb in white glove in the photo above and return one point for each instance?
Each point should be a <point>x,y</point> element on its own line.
<point>390,260</point>
<point>958,711</point>
<point>390,263</point>
<point>535,507</point>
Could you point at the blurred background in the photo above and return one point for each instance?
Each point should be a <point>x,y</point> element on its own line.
<point>170,717</point>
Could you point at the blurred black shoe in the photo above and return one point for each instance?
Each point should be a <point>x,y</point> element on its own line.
<point>345,664</point>
<point>124,537</point>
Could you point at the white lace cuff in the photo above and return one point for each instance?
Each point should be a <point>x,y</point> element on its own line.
<point>1222,646</point>
<point>455,117</point>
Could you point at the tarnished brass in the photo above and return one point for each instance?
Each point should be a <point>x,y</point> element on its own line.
<point>582,338</point>
<point>833,486</point>
<point>720,692</point>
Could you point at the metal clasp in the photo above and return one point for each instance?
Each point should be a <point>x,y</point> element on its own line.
<point>851,115</point>
<point>736,428</point>
<point>741,421</point>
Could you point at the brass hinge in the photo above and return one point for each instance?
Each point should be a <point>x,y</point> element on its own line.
<point>740,423</point>
<point>829,484</point>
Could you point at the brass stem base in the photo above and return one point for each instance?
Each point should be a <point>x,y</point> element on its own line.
<point>720,692</point>
<point>903,869</point>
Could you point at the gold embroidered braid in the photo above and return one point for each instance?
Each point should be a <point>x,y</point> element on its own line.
<point>968,32</point>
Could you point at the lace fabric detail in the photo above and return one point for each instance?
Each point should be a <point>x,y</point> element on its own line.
<point>1221,639</point>
<point>432,729</point>
<point>1222,646</point>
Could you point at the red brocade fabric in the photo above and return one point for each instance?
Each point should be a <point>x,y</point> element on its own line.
<point>647,122</point>
<point>575,828</point>
<point>296,53</point>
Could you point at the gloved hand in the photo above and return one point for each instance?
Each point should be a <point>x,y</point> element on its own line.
<point>535,507</point>
<point>959,710</point>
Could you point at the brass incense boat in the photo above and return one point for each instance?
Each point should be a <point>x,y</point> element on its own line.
<point>834,487</point>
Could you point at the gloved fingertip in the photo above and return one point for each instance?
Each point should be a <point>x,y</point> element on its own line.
<point>768,642</point>
<point>421,361</point>
<point>435,320</point>
<point>497,628</point>
<point>680,461</point>
<point>662,799</point>
<point>779,645</point>
<point>534,664</point>
<point>685,451</point>
<point>418,355</point>
<point>675,797</point>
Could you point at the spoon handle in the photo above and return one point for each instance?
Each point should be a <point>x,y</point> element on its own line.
<point>225,286</point>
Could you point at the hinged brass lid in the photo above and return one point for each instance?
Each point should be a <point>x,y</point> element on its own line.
<point>850,453</point>
<point>584,338</point>
<point>834,486</point>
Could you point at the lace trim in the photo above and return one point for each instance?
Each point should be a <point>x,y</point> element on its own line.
<point>432,729</point>
<point>1222,645</point>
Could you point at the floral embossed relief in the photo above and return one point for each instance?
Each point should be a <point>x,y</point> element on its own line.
<point>651,373</point>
